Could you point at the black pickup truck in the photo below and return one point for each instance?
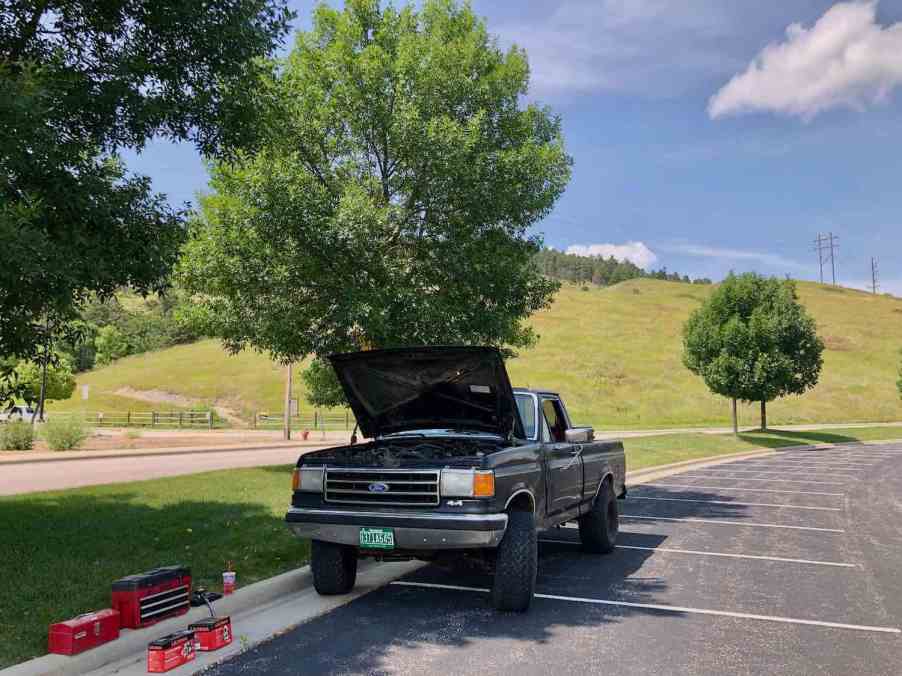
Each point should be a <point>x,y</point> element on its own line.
<point>460,465</point>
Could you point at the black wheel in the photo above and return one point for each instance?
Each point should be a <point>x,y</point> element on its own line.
<point>598,527</point>
<point>516,563</point>
<point>334,567</point>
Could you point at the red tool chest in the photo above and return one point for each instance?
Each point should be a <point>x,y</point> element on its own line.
<point>171,651</point>
<point>152,596</point>
<point>212,633</point>
<point>83,632</point>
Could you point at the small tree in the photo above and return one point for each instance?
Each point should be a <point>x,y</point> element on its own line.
<point>59,382</point>
<point>752,340</point>
<point>392,200</point>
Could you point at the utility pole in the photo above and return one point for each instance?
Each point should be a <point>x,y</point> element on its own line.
<point>286,420</point>
<point>819,248</point>
<point>832,258</point>
<point>825,246</point>
<point>874,283</point>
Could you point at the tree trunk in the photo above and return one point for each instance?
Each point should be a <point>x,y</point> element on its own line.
<point>763,416</point>
<point>735,418</point>
<point>43,388</point>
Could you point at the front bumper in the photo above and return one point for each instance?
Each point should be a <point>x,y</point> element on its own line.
<point>412,531</point>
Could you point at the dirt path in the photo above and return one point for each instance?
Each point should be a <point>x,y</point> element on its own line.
<point>164,397</point>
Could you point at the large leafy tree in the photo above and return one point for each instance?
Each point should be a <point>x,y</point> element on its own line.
<point>752,340</point>
<point>79,80</point>
<point>392,200</point>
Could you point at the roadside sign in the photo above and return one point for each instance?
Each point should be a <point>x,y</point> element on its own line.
<point>85,390</point>
<point>293,408</point>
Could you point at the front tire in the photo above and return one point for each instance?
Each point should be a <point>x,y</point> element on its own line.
<point>516,564</point>
<point>598,528</point>
<point>334,567</point>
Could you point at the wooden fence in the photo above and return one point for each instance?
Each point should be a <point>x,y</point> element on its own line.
<point>313,420</point>
<point>166,419</point>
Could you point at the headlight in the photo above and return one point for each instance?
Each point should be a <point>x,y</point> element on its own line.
<point>309,479</point>
<point>468,483</point>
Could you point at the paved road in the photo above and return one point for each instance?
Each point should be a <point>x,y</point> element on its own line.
<point>783,565</point>
<point>54,475</point>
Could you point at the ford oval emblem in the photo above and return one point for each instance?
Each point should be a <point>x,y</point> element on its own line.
<point>377,487</point>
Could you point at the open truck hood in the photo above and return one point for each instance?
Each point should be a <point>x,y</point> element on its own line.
<point>405,389</point>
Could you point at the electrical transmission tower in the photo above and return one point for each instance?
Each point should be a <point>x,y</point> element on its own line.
<point>875,284</point>
<point>825,246</point>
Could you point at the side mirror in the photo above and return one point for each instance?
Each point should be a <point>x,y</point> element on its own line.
<point>580,435</point>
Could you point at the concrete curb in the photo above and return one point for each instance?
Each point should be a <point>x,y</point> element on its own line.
<point>65,456</point>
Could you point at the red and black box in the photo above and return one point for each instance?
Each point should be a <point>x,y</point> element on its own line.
<point>212,633</point>
<point>171,651</point>
<point>149,597</point>
<point>83,632</point>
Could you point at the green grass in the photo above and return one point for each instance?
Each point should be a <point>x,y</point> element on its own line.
<point>644,452</point>
<point>613,353</point>
<point>60,551</point>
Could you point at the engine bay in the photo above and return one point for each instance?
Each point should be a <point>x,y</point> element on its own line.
<point>409,452</point>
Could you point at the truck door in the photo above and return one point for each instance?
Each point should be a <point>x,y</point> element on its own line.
<point>564,466</point>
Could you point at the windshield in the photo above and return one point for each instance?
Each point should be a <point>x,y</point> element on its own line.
<point>527,408</point>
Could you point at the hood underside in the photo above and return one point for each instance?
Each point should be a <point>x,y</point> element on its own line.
<point>406,389</point>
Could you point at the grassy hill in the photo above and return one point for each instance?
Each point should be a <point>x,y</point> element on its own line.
<point>614,353</point>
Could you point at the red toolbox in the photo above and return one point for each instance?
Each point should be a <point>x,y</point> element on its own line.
<point>149,597</point>
<point>83,632</point>
<point>212,633</point>
<point>171,651</point>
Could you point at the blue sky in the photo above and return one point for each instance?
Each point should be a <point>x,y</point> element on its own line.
<point>707,135</point>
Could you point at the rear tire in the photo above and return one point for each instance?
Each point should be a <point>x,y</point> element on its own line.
<point>598,528</point>
<point>334,567</point>
<point>516,564</point>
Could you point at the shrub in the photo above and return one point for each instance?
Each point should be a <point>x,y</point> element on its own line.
<point>65,434</point>
<point>16,436</point>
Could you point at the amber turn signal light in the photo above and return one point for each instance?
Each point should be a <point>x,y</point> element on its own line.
<point>483,484</point>
<point>295,479</point>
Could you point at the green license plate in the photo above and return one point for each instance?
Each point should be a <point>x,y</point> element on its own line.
<point>377,538</point>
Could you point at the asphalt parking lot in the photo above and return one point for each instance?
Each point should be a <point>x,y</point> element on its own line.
<point>788,564</point>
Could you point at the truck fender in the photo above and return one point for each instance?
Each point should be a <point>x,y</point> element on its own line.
<point>519,496</point>
<point>608,475</point>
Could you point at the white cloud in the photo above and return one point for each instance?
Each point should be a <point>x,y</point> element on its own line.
<point>652,47</point>
<point>846,59</point>
<point>762,257</point>
<point>635,252</point>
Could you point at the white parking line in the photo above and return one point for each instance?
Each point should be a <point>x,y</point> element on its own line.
<point>731,502</point>
<point>737,488</point>
<point>665,608</point>
<point>764,471</point>
<point>745,478</point>
<point>695,552</point>
<point>720,522</point>
<point>802,463</point>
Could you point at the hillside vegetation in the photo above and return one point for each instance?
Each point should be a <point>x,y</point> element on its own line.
<point>613,352</point>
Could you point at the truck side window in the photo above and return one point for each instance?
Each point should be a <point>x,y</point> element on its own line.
<point>554,418</point>
<point>527,414</point>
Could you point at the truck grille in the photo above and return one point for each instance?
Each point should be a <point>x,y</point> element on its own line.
<point>382,487</point>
